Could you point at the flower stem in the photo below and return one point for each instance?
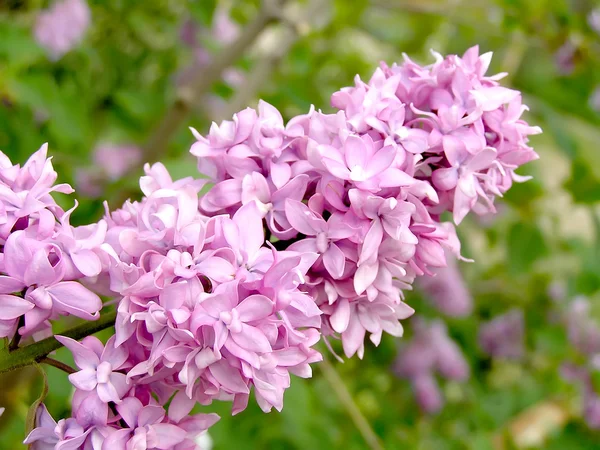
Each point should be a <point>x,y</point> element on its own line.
<point>58,364</point>
<point>34,353</point>
<point>344,396</point>
<point>204,80</point>
<point>14,343</point>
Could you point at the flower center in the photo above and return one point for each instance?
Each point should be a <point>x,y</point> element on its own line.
<point>357,173</point>
<point>322,242</point>
<point>103,372</point>
<point>402,133</point>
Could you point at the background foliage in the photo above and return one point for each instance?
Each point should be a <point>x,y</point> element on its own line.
<point>119,83</point>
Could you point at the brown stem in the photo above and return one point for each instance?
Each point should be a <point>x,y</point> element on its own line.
<point>113,408</point>
<point>58,364</point>
<point>14,343</point>
<point>295,27</point>
<point>205,78</point>
<point>33,353</point>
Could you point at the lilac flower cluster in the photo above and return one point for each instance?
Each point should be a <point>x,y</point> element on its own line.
<point>205,311</point>
<point>430,350</point>
<point>43,256</point>
<point>142,424</point>
<point>62,26</point>
<point>364,188</point>
<point>310,229</point>
<point>206,307</point>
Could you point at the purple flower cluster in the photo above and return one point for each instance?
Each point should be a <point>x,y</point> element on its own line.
<point>364,188</point>
<point>206,307</point>
<point>62,26</point>
<point>310,229</point>
<point>140,423</point>
<point>43,256</point>
<point>430,350</point>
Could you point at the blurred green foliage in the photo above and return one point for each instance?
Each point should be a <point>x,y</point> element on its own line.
<point>118,84</point>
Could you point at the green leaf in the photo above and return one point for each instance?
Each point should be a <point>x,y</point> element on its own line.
<point>203,11</point>
<point>17,45</point>
<point>596,380</point>
<point>583,184</point>
<point>525,245</point>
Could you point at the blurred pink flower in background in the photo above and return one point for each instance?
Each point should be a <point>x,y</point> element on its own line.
<point>583,332</point>
<point>503,336</point>
<point>594,100</point>
<point>564,58</point>
<point>223,31</point>
<point>110,162</point>
<point>430,350</point>
<point>62,26</point>
<point>594,20</point>
<point>447,291</point>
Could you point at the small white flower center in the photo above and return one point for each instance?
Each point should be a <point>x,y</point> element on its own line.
<point>402,133</point>
<point>322,242</point>
<point>357,173</point>
<point>103,372</point>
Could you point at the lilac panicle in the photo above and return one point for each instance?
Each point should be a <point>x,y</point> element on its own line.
<point>311,228</point>
<point>364,187</point>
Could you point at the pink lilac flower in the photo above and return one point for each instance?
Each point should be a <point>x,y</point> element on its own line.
<point>116,160</point>
<point>62,27</point>
<point>428,394</point>
<point>503,336</point>
<point>99,374</point>
<point>147,428</point>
